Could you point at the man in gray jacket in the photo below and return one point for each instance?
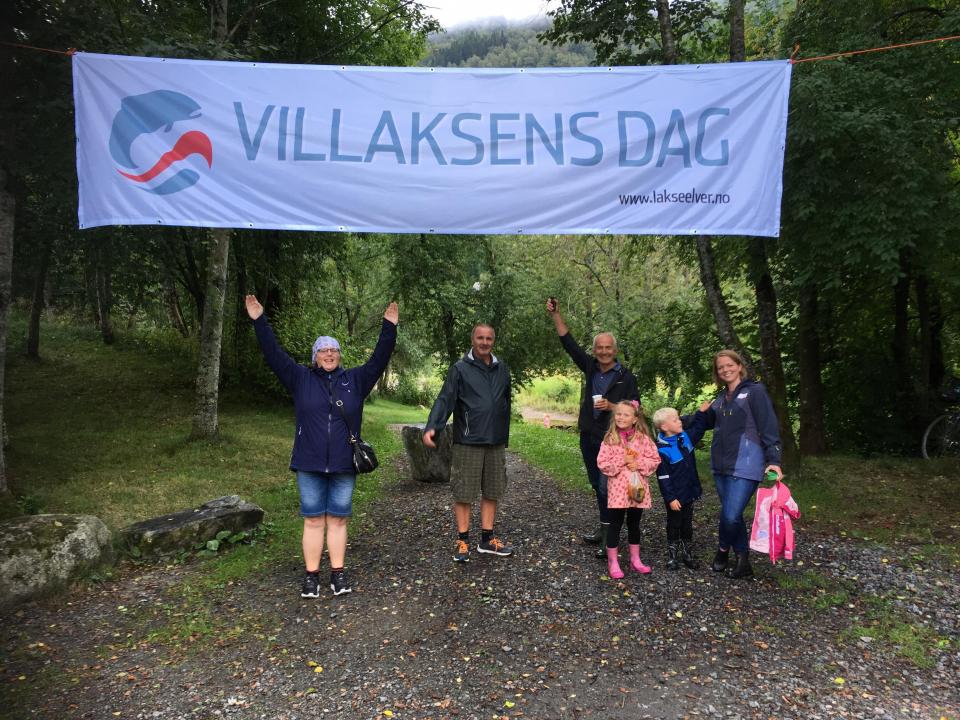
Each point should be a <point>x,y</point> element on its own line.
<point>477,393</point>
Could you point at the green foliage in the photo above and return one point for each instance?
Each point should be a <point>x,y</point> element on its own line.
<point>871,200</point>
<point>627,33</point>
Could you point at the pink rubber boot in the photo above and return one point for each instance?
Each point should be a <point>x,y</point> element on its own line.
<point>613,564</point>
<point>635,563</point>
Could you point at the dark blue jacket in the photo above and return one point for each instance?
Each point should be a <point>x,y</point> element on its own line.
<point>322,440</point>
<point>746,437</point>
<point>677,475</point>
<point>622,387</point>
<point>479,397</point>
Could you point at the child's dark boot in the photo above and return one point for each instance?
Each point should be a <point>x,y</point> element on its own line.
<point>673,555</point>
<point>686,556</point>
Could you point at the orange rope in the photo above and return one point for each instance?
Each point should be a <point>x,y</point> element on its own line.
<point>70,51</point>
<point>861,52</point>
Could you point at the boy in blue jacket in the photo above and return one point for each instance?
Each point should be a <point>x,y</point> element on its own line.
<point>678,479</point>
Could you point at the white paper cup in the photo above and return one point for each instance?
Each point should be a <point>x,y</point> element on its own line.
<point>597,398</point>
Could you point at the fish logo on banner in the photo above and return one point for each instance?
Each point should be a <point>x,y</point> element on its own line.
<point>149,113</point>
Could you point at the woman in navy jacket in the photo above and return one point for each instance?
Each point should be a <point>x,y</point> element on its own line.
<point>746,445</point>
<point>322,456</point>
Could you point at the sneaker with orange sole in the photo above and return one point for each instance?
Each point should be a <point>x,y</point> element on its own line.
<point>495,547</point>
<point>462,553</point>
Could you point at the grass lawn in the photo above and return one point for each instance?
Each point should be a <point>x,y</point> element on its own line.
<point>103,430</point>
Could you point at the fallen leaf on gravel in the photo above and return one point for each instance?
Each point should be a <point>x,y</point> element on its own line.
<point>312,663</point>
<point>839,680</point>
<point>318,669</point>
<point>508,704</point>
<point>388,713</point>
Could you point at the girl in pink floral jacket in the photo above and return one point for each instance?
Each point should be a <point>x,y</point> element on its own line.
<point>627,456</point>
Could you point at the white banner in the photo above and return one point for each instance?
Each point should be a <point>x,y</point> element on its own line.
<point>672,150</point>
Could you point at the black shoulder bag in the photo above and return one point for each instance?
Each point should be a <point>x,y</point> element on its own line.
<point>364,458</point>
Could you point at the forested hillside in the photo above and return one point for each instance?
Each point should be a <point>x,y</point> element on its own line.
<point>503,45</point>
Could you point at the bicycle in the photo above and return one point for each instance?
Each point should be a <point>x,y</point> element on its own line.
<point>942,436</point>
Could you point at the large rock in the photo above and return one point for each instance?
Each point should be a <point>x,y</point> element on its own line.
<point>427,465</point>
<point>40,553</point>
<point>183,530</point>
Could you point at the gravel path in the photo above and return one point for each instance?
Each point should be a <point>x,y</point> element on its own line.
<point>544,634</point>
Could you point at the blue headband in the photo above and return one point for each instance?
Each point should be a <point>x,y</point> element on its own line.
<point>324,342</point>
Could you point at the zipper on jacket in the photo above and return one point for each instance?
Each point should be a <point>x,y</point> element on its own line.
<point>329,421</point>
<point>466,422</point>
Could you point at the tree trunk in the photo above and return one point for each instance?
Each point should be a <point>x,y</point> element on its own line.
<point>104,288</point>
<point>205,417</point>
<point>716,302</point>
<point>90,283</point>
<point>449,337</point>
<point>926,391</point>
<point>938,369</point>
<point>813,440</point>
<point>667,41</point>
<point>172,303</point>
<point>38,303</point>
<point>7,210</point>
<point>900,346</point>
<point>218,20</point>
<point>738,50</point>
<point>770,361</point>
<point>205,420</point>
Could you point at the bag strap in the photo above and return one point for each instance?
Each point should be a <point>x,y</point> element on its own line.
<point>339,403</point>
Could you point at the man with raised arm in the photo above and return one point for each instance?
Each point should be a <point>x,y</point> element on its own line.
<point>477,392</point>
<point>607,383</point>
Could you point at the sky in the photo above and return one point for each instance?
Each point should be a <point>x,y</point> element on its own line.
<point>455,12</point>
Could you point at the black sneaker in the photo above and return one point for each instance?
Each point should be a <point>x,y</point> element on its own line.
<point>339,583</point>
<point>311,585</point>
<point>495,547</point>
<point>462,553</point>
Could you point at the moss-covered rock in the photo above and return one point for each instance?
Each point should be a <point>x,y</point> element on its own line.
<point>427,464</point>
<point>40,553</point>
<point>183,530</point>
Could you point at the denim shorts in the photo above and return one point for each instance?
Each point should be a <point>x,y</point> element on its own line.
<point>325,493</point>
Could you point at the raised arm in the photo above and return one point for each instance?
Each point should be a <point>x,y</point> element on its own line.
<point>283,366</point>
<point>696,425</point>
<point>576,353</point>
<point>553,307</point>
<point>371,370</point>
